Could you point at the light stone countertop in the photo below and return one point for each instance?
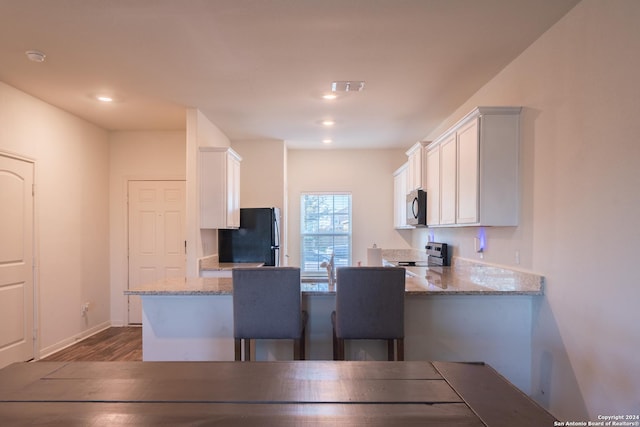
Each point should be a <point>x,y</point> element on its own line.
<point>394,255</point>
<point>464,277</point>
<point>211,264</point>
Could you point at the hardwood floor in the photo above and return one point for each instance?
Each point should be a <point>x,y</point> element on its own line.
<point>110,345</point>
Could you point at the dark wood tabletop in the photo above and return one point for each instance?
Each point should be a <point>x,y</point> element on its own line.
<point>309,393</point>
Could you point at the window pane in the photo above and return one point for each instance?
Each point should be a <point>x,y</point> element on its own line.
<point>341,250</point>
<point>325,230</point>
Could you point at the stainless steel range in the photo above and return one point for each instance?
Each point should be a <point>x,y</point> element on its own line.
<point>438,255</point>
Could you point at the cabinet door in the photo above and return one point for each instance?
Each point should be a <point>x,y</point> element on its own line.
<point>212,168</point>
<point>416,162</point>
<point>447,181</point>
<point>233,192</point>
<point>468,173</point>
<point>219,175</point>
<point>400,198</point>
<point>433,186</point>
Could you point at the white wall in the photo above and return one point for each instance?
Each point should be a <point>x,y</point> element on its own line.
<point>263,177</point>
<point>262,170</point>
<point>200,133</point>
<point>367,174</point>
<point>136,156</point>
<point>580,208</point>
<point>71,223</point>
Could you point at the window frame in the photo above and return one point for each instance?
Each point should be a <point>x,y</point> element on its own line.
<point>303,234</point>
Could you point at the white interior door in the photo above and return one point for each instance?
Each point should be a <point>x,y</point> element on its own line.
<point>16,261</point>
<point>156,235</point>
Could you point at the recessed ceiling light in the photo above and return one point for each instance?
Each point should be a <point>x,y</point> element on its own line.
<point>104,98</point>
<point>326,141</point>
<point>35,55</point>
<point>328,123</point>
<point>329,96</point>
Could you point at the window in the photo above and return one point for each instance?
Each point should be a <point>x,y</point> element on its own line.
<point>325,229</point>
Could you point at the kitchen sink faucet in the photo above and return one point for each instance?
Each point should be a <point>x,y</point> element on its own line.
<point>331,271</point>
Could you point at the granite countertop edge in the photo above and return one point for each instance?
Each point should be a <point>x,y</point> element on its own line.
<point>463,277</point>
<point>425,292</point>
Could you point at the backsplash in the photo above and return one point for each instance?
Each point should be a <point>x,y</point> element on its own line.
<point>404,255</point>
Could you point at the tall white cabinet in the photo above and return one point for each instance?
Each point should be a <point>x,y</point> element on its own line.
<point>468,173</point>
<point>400,190</point>
<point>472,170</point>
<point>432,165</point>
<point>219,175</point>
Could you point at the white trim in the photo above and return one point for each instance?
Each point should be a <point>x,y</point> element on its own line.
<point>124,282</point>
<point>67,342</point>
<point>17,156</point>
<point>35,261</point>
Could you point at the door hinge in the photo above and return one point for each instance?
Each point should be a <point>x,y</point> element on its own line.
<point>33,190</point>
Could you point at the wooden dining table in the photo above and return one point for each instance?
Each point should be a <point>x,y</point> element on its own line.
<point>276,393</point>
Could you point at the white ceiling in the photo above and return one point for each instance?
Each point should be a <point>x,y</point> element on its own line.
<point>258,68</point>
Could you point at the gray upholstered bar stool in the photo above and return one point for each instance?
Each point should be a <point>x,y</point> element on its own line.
<point>267,305</point>
<point>369,305</point>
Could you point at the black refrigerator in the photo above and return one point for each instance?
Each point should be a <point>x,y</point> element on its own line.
<point>257,239</point>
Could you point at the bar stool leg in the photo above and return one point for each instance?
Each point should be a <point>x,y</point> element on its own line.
<point>391,350</point>
<point>400,344</point>
<point>340,349</point>
<point>296,350</point>
<point>247,350</point>
<point>237,349</point>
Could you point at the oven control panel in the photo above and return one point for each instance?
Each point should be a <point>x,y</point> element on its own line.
<point>437,253</point>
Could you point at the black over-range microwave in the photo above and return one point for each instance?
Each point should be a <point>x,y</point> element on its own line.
<point>417,208</point>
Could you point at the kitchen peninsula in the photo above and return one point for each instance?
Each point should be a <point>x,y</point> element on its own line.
<point>466,312</point>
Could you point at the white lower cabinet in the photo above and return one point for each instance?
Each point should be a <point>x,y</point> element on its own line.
<point>472,170</point>
<point>216,273</point>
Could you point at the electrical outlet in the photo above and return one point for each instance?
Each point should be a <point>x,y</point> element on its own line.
<point>84,309</point>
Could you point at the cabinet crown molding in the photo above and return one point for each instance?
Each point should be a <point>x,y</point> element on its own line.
<point>478,112</point>
<point>221,150</point>
<point>417,146</point>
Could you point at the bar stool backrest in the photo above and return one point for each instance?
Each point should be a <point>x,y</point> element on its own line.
<point>370,302</point>
<point>267,303</point>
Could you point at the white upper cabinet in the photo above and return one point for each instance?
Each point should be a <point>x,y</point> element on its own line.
<point>400,190</point>
<point>219,175</point>
<point>472,170</point>
<point>448,161</point>
<point>433,184</point>
<point>415,166</point>
<point>468,174</point>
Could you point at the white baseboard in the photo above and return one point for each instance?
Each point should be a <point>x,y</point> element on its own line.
<point>73,339</point>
